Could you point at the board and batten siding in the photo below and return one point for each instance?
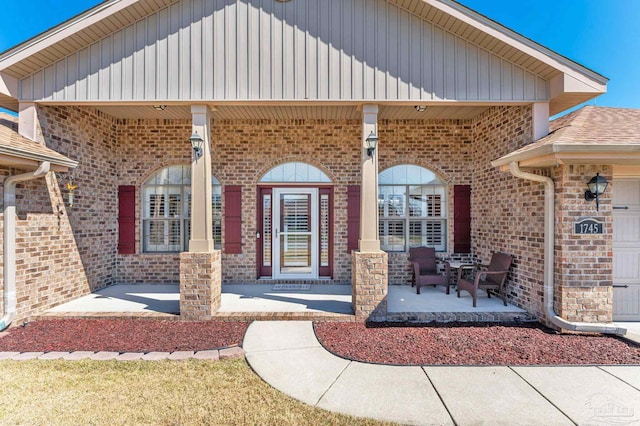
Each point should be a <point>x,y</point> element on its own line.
<point>267,50</point>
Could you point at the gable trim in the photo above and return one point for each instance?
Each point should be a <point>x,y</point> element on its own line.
<point>512,38</point>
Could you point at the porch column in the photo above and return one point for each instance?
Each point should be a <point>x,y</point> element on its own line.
<point>369,264</point>
<point>201,216</point>
<point>369,241</point>
<point>200,267</point>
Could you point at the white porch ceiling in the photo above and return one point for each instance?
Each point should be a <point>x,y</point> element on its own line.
<point>266,112</point>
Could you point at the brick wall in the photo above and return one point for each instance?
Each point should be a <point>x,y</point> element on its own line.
<point>63,252</point>
<point>244,150</point>
<point>508,213</point>
<point>583,263</point>
<point>442,146</point>
<point>144,146</point>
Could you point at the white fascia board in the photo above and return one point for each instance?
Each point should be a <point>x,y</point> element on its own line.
<point>62,31</point>
<point>560,148</point>
<point>8,86</point>
<point>518,41</point>
<point>565,83</point>
<point>19,153</point>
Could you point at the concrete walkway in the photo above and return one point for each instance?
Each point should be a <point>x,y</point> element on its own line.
<point>287,355</point>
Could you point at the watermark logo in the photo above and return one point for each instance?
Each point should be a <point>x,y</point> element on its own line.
<point>606,410</point>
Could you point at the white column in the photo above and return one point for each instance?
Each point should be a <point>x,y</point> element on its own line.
<point>201,217</point>
<point>28,120</point>
<point>369,240</point>
<point>540,120</point>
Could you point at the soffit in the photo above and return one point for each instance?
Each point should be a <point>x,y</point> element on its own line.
<point>267,112</point>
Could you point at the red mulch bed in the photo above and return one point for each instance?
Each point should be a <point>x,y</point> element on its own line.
<point>477,345</point>
<point>69,335</point>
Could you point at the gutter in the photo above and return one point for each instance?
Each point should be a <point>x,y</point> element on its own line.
<point>549,239</point>
<point>24,153</point>
<point>9,243</point>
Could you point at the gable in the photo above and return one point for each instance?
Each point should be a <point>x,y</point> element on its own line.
<point>268,50</point>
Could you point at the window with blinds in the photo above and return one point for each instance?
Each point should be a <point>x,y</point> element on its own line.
<point>166,210</point>
<point>412,209</point>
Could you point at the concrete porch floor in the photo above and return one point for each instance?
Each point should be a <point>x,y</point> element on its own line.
<point>165,298</point>
<point>321,301</point>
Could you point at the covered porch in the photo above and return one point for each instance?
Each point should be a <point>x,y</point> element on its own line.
<point>287,301</point>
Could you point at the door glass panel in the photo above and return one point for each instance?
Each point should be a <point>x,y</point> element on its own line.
<point>266,228</point>
<point>295,235</point>
<point>324,230</point>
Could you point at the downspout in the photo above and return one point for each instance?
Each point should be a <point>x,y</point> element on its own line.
<point>549,239</point>
<point>9,241</point>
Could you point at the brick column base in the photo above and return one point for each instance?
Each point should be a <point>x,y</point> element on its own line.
<point>200,285</point>
<point>585,304</point>
<point>369,284</point>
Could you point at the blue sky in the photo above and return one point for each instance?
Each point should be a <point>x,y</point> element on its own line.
<point>603,35</point>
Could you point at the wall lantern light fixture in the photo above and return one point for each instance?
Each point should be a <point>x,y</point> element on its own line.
<point>597,185</point>
<point>71,188</point>
<point>372,143</point>
<point>196,143</point>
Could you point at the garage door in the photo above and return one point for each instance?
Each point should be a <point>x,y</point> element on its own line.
<point>626,250</point>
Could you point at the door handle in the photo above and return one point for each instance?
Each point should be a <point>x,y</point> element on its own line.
<point>276,233</point>
<point>621,286</point>
<point>621,207</point>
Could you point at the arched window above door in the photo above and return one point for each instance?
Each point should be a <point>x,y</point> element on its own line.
<point>295,172</point>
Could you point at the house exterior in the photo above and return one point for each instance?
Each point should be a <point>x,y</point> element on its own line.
<point>284,98</point>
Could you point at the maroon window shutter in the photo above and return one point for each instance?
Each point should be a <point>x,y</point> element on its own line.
<point>233,219</point>
<point>126,219</point>
<point>353,217</point>
<point>462,219</point>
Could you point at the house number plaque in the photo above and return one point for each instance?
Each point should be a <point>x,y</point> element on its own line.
<point>588,226</point>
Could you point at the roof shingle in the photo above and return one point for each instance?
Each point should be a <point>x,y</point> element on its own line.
<point>12,143</point>
<point>591,128</point>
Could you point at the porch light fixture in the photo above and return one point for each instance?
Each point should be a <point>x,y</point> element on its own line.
<point>597,185</point>
<point>420,108</point>
<point>159,107</point>
<point>372,143</point>
<point>196,144</point>
<point>70,188</point>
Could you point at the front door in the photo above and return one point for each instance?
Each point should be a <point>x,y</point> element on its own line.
<point>626,250</point>
<point>295,233</point>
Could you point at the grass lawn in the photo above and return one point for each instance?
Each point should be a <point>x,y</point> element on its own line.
<point>144,392</point>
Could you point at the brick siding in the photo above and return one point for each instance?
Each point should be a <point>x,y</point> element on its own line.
<point>243,150</point>
<point>508,213</point>
<point>583,263</point>
<point>62,252</point>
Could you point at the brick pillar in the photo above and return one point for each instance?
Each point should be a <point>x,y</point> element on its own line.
<point>583,263</point>
<point>369,284</point>
<point>200,284</point>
